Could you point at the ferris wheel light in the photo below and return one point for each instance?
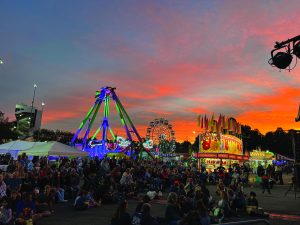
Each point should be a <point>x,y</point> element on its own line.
<point>162,134</point>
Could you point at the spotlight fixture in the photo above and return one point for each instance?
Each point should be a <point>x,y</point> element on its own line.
<point>283,59</point>
<point>296,49</point>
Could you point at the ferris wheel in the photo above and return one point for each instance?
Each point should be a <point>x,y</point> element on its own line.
<point>160,130</point>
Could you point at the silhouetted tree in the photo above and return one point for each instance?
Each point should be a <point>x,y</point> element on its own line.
<point>195,145</point>
<point>184,147</point>
<point>279,142</point>
<point>252,139</point>
<point>6,130</point>
<point>50,135</point>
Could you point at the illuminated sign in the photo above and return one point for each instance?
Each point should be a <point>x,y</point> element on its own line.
<point>246,157</point>
<point>205,155</point>
<point>218,143</point>
<point>230,156</point>
<point>223,156</point>
<point>239,157</point>
<point>122,142</point>
<point>261,155</point>
<point>148,144</point>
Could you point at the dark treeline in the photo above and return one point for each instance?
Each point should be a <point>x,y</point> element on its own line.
<point>51,135</point>
<point>278,141</point>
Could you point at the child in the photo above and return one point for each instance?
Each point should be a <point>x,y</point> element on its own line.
<point>252,203</point>
<point>252,206</point>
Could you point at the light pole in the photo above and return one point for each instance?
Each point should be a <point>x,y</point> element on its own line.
<point>43,104</point>
<point>1,61</point>
<point>31,117</point>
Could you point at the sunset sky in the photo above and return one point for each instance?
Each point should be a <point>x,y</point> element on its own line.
<point>171,59</point>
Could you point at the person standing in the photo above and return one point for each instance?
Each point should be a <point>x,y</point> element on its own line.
<point>260,170</point>
<point>278,172</point>
<point>265,183</point>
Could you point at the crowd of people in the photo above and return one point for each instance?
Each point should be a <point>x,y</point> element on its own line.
<point>189,201</point>
<point>29,189</point>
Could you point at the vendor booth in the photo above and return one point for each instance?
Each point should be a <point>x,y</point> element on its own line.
<point>259,157</point>
<point>224,150</point>
<point>220,143</point>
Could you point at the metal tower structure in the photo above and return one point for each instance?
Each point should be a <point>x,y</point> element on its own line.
<point>100,147</point>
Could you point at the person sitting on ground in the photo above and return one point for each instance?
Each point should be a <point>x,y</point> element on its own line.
<point>197,197</point>
<point>146,218</point>
<point>136,218</point>
<point>49,194</point>
<point>175,187</point>
<point>185,204</point>
<point>192,218</point>
<point>220,187</point>
<point>6,215</point>
<point>173,214</point>
<point>181,190</point>
<point>40,201</point>
<point>244,178</point>
<point>121,216</point>
<point>203,213</point>
<point>252,203</point>
<point>26,210</point>
<point>13,200</point>
<point>60,194</point>
<point>189,187</point>
<point>145,199</point>
<point>235,177</point>
<point>222,209</point>
<point>109,191</point>
<point>81,201</point>
<point>13,183</point>
<point>239,203</point>
<point>92,202</point>
<point>2,187</point>
<point>127,182</point>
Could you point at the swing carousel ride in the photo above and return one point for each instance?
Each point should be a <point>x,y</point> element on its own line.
<point>101,146</point>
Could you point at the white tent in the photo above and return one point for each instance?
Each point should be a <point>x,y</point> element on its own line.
<point>54,148</point>
<point>14,147</point>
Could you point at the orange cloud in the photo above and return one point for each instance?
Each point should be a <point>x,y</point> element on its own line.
<point>268,112</point>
